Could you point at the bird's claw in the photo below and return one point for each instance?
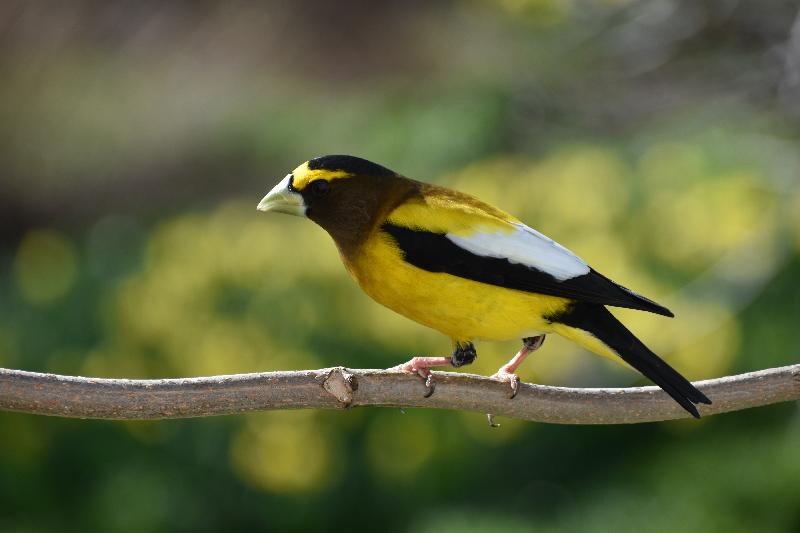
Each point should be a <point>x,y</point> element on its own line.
<point>419,365</point>
<point>512,380</point>
<point>514,386</point>
<point>430,385</point>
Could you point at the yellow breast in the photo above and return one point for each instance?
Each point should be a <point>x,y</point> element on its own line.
<point>460,308</point>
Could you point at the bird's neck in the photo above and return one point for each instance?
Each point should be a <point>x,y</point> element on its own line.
<point>353,224</point>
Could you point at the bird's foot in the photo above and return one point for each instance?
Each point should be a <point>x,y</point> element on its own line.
<point>507,371</point>
<point>421,366</point>
<point>507,375</point>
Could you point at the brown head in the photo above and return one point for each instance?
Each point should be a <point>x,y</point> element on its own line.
<point>346,195</point>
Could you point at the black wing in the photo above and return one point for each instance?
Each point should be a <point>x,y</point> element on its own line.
<point>434,252</point>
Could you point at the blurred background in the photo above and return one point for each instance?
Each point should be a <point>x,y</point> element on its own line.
<point>659,140</point>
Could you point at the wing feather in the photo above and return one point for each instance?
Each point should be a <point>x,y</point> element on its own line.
<point>488,246</point>
<point>526,246</point>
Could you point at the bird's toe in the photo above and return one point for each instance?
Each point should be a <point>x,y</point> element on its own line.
<point>421,366</point>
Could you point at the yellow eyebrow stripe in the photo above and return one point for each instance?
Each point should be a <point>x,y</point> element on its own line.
<point>303,175</point>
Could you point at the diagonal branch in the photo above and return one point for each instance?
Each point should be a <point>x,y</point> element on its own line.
<point>80,397</point>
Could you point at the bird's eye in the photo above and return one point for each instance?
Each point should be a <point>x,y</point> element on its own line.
<point>320,188</point>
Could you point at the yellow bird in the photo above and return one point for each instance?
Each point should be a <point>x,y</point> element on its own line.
<point>469,270</point>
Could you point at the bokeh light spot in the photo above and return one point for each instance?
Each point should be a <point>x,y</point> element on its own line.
<point>285,452</point>
<point>399,446</point>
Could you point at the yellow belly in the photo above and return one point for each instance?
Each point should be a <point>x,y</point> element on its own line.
<point>460,308</point>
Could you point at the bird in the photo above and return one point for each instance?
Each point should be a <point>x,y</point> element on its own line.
<point>471,271</point>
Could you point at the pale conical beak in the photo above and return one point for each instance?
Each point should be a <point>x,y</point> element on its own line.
<point>283,200</point>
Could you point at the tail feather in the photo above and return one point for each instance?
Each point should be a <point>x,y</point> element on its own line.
<point>602,325</point>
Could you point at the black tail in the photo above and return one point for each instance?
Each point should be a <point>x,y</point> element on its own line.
<point>598,321</point>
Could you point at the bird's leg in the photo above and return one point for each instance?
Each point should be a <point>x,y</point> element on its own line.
<point>507,371</point>
<point>463,354</point>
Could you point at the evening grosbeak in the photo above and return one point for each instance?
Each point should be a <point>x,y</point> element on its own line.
<point>467,269</point>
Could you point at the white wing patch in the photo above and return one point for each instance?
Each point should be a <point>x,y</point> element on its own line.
<point>525,246</point>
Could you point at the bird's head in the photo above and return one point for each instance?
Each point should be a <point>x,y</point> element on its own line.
<point>341,193</point>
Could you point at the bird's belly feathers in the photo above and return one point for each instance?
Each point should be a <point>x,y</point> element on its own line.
<point>460,308</point>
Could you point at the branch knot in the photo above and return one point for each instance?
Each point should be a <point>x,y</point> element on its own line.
<point>341,384</point>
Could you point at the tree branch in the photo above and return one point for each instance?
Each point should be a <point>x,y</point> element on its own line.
<point>80,397</point>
